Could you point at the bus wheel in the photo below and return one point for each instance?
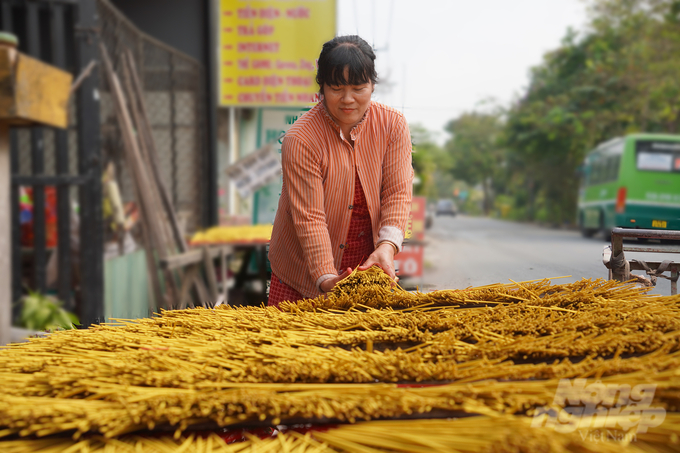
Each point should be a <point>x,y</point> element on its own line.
<point>588,232</point>
<point>585,232</point>
<point>606,231</point>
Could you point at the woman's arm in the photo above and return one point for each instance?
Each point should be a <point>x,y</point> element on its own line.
<point>395,198</point>
<point>397,185</point>
<point>303,181</point>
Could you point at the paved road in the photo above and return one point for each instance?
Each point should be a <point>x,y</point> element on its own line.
<point>466,251</point>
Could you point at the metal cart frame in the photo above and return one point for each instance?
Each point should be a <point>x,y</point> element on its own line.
<point>619,267</point>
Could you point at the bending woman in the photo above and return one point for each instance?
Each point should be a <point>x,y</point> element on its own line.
<point>347,180</point>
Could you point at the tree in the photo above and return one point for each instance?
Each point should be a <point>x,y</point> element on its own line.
<point>619,77</point>
<point>428,163</point>
<point>475,152</point>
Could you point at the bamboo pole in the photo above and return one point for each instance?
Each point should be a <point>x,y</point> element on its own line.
<point>172,295</point>
<point>150,153</point>
<point>144,129</point>
<point>144,191</point>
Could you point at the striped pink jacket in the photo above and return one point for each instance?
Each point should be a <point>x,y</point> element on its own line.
<point>315,207</point>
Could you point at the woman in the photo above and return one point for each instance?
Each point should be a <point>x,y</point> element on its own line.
<point>347,180</point>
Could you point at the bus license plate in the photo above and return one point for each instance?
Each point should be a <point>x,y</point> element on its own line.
<point>659,224</point>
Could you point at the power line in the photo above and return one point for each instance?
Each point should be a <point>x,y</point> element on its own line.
<point>386,47</point>
<point>356,18</point>
<point>373,3</point>
<point>389,25</point>
<point>432,108</point>
<point>403,90</point>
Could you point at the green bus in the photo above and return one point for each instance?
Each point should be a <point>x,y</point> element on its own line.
<point>631,182</point>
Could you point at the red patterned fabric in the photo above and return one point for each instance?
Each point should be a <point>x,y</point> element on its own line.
<point>279,291</point>
<point>358,246</point>
<point>359,242</point>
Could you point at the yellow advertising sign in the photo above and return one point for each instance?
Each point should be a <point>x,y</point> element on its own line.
<point>269,49</point>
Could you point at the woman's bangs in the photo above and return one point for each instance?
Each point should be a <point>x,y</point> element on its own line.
<point>358,72</point>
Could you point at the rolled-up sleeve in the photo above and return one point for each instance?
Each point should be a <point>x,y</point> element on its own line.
<point>303,179</point>
<point>397,185</point>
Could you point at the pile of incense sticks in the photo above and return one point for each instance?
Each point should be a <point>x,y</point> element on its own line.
<point>353,357</point>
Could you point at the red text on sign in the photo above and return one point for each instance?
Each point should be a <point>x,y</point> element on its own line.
<point>247,13</point>
<point>307,65</point>
<point>265,30</point>
<point>249,81</point>
<point>280,64</point>
<point>269,13</point>
<point>273,81</point>
<point>298,13</point>
<point>298,81</point>
<point>262,64</point>
<point>255,97</point>
<point>258,47</point>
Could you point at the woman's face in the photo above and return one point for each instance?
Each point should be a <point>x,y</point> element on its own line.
<point>347,103</point>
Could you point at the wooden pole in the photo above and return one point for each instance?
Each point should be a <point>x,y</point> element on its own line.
<point>233,157</point>
<point>141,180</point>
<point>163,215</point>
<point>144,130</point>
<point>8,42</point>
<point>5,236</point>
<point>148,147</point>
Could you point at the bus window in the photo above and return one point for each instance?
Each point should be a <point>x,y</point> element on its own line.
<point>654,161</point>
<point>657,156</point>
<point>594,173</point>
<point>599,170</point>
<point>613,163</point>
<point>602,166</point>
<point>587,174</point>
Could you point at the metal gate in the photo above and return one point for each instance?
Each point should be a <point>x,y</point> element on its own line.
<point>63,168</point>
<point>62,165</point>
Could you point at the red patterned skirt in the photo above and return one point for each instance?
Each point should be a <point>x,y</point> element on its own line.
<point>356,249</point>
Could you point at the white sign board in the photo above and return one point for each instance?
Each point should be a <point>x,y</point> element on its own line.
<point>654,161</point>
<point>255,171</point>
<point>271,126</point>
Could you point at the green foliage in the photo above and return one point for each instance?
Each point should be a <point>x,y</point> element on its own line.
<point>473,203</point>
<point>430,165</point>
<point>619,77</point>
<point>42,312</point>
<point>476,153</point>
<point>503,207</point>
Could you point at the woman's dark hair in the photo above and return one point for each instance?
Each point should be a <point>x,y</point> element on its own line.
<point>342,52</point>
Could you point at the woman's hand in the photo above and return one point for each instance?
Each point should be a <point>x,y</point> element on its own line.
<point>330,283</point>
<point>382,256</point>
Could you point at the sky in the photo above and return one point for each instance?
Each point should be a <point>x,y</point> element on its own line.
<point>440,58</point>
